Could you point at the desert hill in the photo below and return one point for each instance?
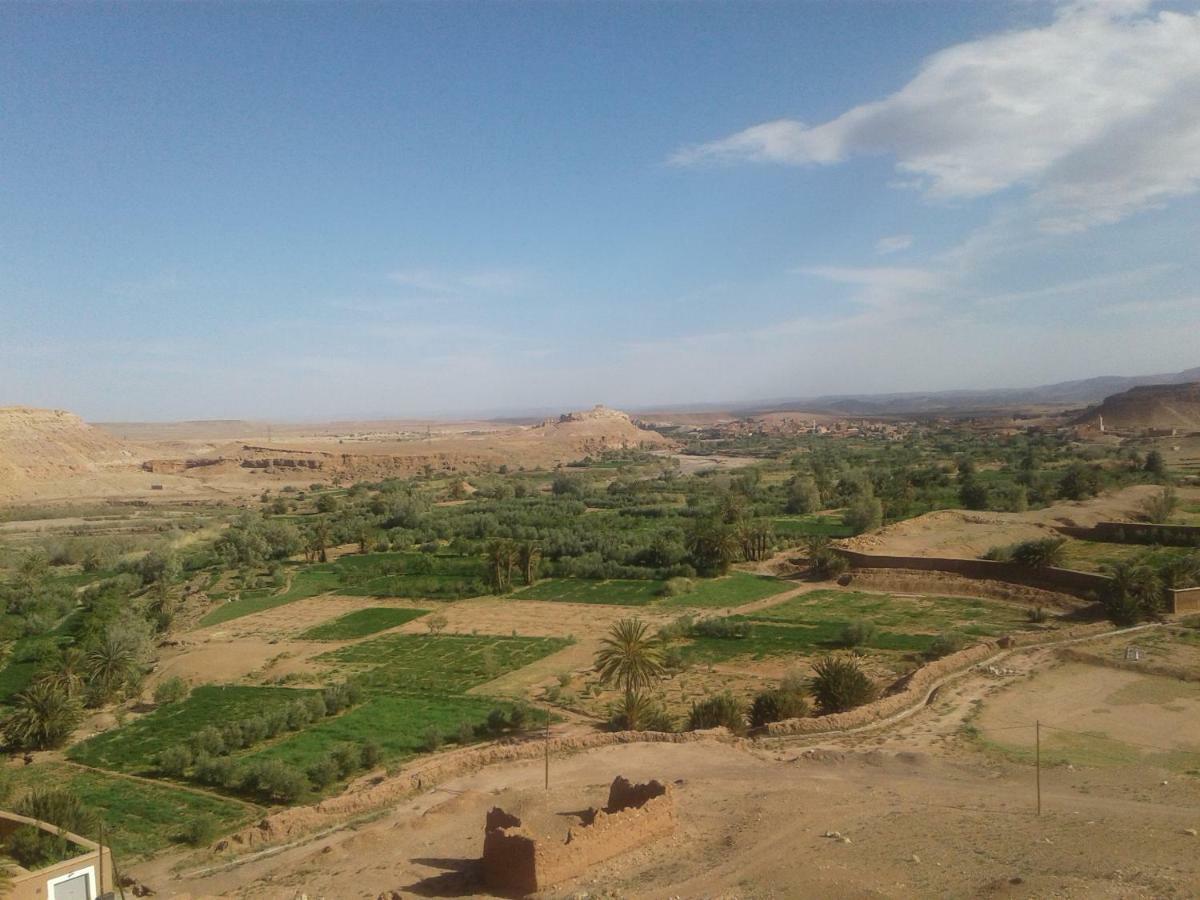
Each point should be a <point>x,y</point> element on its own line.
<point>596,429</point>
<point>49,444</point>
<point>1157,406</point>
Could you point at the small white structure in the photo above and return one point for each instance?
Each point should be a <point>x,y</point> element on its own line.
<point>1133,654</point>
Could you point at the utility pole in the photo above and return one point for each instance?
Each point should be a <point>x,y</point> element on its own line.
<point>100,862</point>
<point>547,751</point>
<point>1038,762</point>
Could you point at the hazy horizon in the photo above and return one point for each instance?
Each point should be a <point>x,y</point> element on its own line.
<point>336,211</point>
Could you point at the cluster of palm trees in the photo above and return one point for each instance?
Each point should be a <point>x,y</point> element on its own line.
<point>47,712</point>
<point>505,556</point>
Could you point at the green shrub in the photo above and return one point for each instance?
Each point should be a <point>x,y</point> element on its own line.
<point>675,587</point>
<point>857,634</point>
<point>638,711</point>
<point>370,753</point>
<point>944,644</point>
<point>1041,553</point>
<point>208,740</point>
<point>727,628</point>
<point>347,757</point>
<point>1037,615</point>
<point>174,761</point>
<point>199,831</point>
<point>776,705</point>
<point>32,847</point>
<point>431,740</point>
<point>275,781</point>
<point>717,711</point>
<point>324,772</point>
<point>170,690</point>
<point>839,684</point>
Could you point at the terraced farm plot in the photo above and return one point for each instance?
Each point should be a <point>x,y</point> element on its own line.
<point>929,615</point>
<point>143,818</point>
<point>416,664</point>
<point>399,724</point>
<point>305,583</point>
<point>134,747</point>
<point>361,623</point>
<point>365,575</point>
<point>815,524</point>
<point>730,590</point>
<point>615,591</point>
<point>783,640</point>
<point>813,623</point>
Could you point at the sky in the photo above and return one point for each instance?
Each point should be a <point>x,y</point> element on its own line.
<point>314,211</point>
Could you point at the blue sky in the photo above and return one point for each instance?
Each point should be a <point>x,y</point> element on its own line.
<point>309,211</point>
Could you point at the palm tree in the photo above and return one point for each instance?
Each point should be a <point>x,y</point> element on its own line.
<point>630,657</point>
<point>320,539</point>
<point>1135,593</point>
<point>110,663</point>
<point>70,672</point>
<point>529,554</point>
<point>502,557</point>
<point>44,716</point>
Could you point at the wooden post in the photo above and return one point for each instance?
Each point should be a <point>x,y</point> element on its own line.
<point>547,751</point>
<point>100,861</point>
<point>1038,758</point>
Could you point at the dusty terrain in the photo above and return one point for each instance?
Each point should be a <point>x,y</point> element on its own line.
<point>921,808</point>
<point>963,533</point>
<point>44,454</point>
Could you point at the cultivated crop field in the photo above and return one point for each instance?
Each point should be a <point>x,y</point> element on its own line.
<point>135,747</point>
<point>361,623</point>
<point>142,818</point>
<point>416,664</point>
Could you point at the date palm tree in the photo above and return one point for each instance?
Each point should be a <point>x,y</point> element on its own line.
<point>529,554</point>
<point>43,717</point>
<point>630,657</point>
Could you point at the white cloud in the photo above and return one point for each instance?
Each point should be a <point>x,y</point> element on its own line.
<point>893,243</point>
<point>1098,113</point>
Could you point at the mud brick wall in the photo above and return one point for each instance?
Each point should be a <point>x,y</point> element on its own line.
<point>516,861</point>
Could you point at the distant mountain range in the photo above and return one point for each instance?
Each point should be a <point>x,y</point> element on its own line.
<point>1065,393</point>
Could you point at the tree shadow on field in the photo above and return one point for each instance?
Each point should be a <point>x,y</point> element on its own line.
<point>461,877</point>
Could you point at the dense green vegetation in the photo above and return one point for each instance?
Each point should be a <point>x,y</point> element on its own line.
<point>361,623</point>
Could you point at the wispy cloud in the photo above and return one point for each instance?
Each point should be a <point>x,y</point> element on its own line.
<point>893,243</point>
<point>1098,114</point>
<point>1142,307</point>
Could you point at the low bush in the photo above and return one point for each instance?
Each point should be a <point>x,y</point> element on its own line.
<point>857,634</point>
<point>727,628</point>
<point>170,690</point>
<point>776,705</point>
<point>717,711</point>
<point>944,644</point>
<point>839,684</point>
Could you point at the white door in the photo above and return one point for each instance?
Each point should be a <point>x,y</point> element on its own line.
<point>77,886</point>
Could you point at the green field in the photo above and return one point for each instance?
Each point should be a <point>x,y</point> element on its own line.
<point>364,575</point>
<point>134,747</point>
<point>361,623</point>
<point>814,524</point>
<point>305,583</point>
<point>399,724</point>
<point>730,590</point>
<point>813,623</point>
<point>618,592</point>
<point>140,818</point>
<point>416,664</point>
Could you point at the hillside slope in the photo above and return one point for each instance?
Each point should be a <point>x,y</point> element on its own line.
<point>1160,406</point>
<point>49,444</point>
